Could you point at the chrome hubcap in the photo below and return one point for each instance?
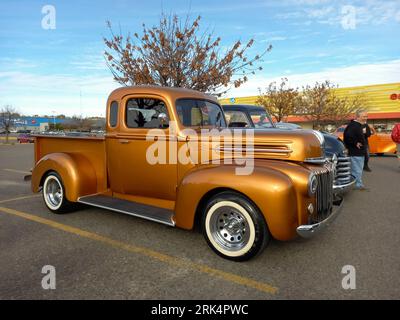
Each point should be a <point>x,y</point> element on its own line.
<point>229,228</point>
<point>53,192</point>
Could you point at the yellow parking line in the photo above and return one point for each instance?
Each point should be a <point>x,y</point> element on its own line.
<point>179,262</point>
<point>21,198</point>
<point>17,171</point>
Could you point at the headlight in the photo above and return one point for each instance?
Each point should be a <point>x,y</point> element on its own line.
<point>312,184</point>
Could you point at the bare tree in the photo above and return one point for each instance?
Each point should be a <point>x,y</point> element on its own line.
<point>279,100</point>
<point>176,54</point>
<point>7,115</point>
<point>341,109</point>
<point>321,104</point>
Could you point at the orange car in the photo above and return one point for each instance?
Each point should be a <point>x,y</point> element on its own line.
<point>379,142</point>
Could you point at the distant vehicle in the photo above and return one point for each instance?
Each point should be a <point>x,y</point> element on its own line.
<point>247,116</point>
<point>75,134</point>
<point>287,125</point>
<point>25,138</point>
<point>2,131</point>
<point>379,142</point>
<point>24,131</point>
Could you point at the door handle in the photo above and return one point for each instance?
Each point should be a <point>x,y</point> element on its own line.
<point>124,141</point>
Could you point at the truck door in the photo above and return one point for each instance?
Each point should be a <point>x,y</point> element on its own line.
<point>130,171</point>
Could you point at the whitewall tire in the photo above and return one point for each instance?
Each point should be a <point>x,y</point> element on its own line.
<point>233,227</point>
<point>54,194</point>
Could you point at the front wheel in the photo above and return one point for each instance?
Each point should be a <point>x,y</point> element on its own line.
<point>54,194</point>
<point>234,227</point>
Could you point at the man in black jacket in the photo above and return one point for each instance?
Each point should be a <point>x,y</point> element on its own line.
<point>367,133</point>
<point>354,140</point>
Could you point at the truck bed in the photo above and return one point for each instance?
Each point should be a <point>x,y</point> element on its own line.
<point>92,148</point>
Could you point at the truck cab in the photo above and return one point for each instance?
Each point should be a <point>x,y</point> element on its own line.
<point>169,157</point>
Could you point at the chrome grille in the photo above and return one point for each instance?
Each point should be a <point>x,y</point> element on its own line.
<point>324,195</point>
<point>343,171</point>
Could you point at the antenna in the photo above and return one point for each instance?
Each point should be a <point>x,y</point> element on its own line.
<point>80,102</point>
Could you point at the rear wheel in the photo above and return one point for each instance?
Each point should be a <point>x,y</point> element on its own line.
<point>234,227</point>
<point>54,194</point>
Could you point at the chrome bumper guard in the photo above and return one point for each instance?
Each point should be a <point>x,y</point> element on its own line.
<point>310,230</point>
<point>340,189</point>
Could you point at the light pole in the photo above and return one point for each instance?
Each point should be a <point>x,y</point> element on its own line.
<point>54,120</point>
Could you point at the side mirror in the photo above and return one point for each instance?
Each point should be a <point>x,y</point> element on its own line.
<point>164,121</point>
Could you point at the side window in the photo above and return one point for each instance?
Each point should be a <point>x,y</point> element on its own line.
<point>113,114</point>
<point>144,113</point>
<point>197,113</point>
<point>237,119</point>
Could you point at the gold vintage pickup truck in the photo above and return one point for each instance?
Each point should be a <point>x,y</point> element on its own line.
<point>148,165</point>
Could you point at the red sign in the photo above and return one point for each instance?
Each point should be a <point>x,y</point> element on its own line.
<point>33,121</point>
<point>394,96</point>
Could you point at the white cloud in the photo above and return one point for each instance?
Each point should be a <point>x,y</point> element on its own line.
<point>16,63</point>
<point>43,94</point>
<point>319,13</point>
<point>65,94</point>
<point>370,12</point>
<point>358,75</point>
<point>277,38</point>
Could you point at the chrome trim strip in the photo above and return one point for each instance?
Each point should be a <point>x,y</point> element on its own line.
<point>310,230</point>
<point>316,160</point>
<point>339,189</point>
<point>254,150</point>
<point>171,224</point>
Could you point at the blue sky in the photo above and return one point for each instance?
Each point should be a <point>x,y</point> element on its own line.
<point>62,70</point>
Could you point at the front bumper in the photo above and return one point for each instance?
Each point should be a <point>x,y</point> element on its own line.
<point>340,189</point>
<point>310,230</point>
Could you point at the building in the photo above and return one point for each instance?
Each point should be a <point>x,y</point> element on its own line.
<point>35,124</point>
<point>383,104</point>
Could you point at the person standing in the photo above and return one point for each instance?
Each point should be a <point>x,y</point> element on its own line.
<point>396,138</point>
<point>367,133</point>
<point>354,140</point>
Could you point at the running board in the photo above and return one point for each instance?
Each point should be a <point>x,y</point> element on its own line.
<point>136,209</point>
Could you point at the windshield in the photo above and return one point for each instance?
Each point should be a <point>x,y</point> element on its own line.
<point>199,113</point>
<point>261,119</point>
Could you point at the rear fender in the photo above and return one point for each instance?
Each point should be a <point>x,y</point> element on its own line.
<point>76,172</point>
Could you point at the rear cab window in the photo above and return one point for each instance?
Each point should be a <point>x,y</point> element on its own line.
<point>145,113</point>
<point>113,116</point>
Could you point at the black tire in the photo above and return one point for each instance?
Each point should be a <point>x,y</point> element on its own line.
<point>56,204</point>
<point>234,227</point>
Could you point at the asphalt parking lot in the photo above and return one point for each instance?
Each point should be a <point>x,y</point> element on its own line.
<point>98,254</point>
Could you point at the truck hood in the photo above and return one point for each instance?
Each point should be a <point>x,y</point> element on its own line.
<point>293,145</point>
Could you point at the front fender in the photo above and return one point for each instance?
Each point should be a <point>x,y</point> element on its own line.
<point>77,174</point>
<point>272,191</point>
